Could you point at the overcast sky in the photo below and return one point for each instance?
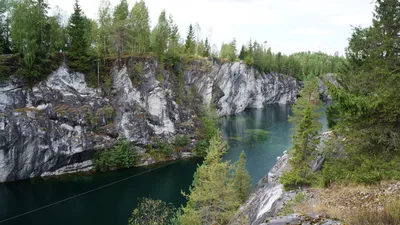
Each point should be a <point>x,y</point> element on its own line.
<point>287,25</point>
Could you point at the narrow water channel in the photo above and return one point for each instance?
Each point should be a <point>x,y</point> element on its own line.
<point>262,133</point>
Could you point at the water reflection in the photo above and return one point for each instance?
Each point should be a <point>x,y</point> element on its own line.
<point>263,134</point>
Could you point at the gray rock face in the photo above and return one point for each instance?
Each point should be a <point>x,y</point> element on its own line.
<point>56,126</point>
<point>299,219</point>
<point>50,126</point>
<point>233,87</point>
<point>268,197</point>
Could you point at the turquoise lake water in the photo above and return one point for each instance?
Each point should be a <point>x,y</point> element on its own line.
<point>263,134</point>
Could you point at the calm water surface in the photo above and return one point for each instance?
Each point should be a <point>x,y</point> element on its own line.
<point>262,133</point>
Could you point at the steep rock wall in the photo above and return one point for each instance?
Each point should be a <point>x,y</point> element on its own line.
<point>56,126</point>
<point>233,87</point>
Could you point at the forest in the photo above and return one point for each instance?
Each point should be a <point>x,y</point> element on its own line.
<point>364,118</point>
<point>33,35</point>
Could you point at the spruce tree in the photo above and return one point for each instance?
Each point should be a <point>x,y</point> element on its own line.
<point>78,49</point>
<point>305,135</point>
<point>367,98</point>
<point>243,53</point>
<point>189,43</point>
<point>241,179</point>
<point>212,198</point>
<point>207,49</point>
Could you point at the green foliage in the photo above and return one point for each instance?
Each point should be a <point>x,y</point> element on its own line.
<point>120,156</point>
<point>365,169</point>
<point>332,115</point>
<point>367,98</point>
<point>5,45</point>
<point>304,138</point>
<point>212,199</point>
<point>140,22</point>
<point>79,45</point>
<point>179,87</point>
<point>228,51</point>
<point>207,49</point>
<point>206,131</point>
<point>367,102</point>
<point>289,204</point>
<point>181,140</point>
<point>190,42</point>
<point>298,65</point>
<point>104,32</point>
<point>160,150</point>
<point>241,179</point>
<point>164,147</point>
<point>31,37</point>
<point>159,35</point>
<point>174,46</point>
<point>153,212</point>
<point>136,74</point>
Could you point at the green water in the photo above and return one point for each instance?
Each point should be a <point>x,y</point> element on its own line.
<point>269,136</point>
<point>262,133</point>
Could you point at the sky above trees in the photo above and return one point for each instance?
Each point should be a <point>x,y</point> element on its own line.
<point>287,25</point>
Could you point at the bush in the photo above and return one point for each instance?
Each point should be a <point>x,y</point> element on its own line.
<point>153,212</point>
<point>361,169</point>
<point>120,156</point>
<point>291,180</point>
<point>164,147</point>
<point>181,140</point>
<point>207,130</point>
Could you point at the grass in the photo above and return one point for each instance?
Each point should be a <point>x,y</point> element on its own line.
<point>356,204</point>
<point>289,207</point>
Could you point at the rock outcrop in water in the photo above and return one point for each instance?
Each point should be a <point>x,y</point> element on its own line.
<point>56,126</point>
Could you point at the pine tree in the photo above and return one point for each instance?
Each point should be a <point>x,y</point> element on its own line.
<point>241,179</point>
<point>78,50</point>
<point>189,43</point>
<point>207,49</point>
<point>305,135</point>
<point>243,53</point>
<point>212,199</point>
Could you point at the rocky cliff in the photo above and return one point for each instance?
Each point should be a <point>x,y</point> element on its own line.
<point>265,203</point>
<point>56,126</point>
